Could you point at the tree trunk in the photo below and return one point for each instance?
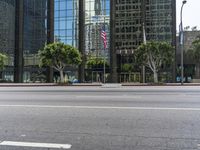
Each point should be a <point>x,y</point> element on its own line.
<point>61,76</point>
<point>155,76</point>
<point>197,72</point>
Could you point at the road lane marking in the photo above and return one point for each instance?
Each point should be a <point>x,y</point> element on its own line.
<point>109,96</point>
<point>36,145</point>
<point>104,107</point>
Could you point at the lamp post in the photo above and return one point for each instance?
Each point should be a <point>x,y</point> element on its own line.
<point>104,61</point>
<point>181,40</point>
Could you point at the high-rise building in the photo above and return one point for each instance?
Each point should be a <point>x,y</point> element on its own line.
<point>24,29</point>
<point>7,35</point>
<point>30,24</point>
<point>191,66</point>
<point>130,19</point>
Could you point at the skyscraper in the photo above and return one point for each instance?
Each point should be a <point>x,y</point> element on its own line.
<point>7,35</point>
<point>23,31</point>
<point>128,19</point>
<point>30,24</point>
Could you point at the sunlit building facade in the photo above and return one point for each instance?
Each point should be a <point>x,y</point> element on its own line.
<point>66,21</point>
<point>30,24</point>
<point>79,23</point>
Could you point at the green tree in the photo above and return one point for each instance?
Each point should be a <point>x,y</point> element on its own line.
<point>154,54</point>
<point>58,55</point>
<point>127,67</point>
<point>96,62</point>
<point>194,54</point>
<point>3,59</point>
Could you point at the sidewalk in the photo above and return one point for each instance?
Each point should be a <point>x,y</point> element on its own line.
<point>27,84</point>
<point>96,84</point>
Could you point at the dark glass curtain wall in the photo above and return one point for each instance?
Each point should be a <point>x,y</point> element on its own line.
<point>7,37</point>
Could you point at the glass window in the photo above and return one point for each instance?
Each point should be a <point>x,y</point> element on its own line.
<point>62,25</point>
<point>62,33</point>
<point>69,13</point>
<point>56,25</point>
<point>56,6</point>
<point>69,5</point>
<point>63,13</point>
<point>69,24</point>
<point>63,5</point>
<point>69,33</point>
<point>56,14</point>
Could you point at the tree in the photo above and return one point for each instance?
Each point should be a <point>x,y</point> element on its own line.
<point>58,55</point>
<point>127,67</point>
<point>3,59</point>
<point>96,62</point>
<point>194,54</point>
<point>154,54</point>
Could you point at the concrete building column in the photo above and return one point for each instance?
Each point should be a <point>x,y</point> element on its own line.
<point>113,54</point>
<point>81,72</point>
<point>18,59</point>
<point>50,34</point>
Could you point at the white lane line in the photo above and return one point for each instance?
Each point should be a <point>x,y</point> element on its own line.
<point>36,145</point>
<point>109,96</point>
<point>105,107</point>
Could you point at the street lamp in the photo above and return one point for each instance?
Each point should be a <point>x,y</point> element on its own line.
<point>181,40</point>
<point>104,64</point>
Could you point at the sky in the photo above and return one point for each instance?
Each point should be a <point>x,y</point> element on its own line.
<point>191,13</point>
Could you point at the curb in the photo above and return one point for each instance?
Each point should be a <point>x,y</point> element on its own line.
<point>94,84</point>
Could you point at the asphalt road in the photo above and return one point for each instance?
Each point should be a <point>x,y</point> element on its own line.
<point>96,118</point>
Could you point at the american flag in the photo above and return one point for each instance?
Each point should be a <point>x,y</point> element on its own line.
<point>104,37</point>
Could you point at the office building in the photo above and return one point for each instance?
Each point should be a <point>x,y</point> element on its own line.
<point>131,18</point>
<point>33,23</point>
<point>191,66</point>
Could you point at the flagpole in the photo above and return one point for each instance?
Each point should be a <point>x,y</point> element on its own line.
<point>104,68</point>
<point>143,66</point>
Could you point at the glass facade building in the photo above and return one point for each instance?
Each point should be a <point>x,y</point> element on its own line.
<point>23,31</point>
<point>7,36</point>
<point>97,19</point>
<point>34,36</point>
<point>130,20</point>
<point>130,16</point>
<point>27,25</point>
<point>66,28</point>
<point>66,21</point>
<point>159,20</point>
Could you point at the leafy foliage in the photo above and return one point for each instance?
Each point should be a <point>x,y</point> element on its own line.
<point>3,59</point>
<point>194,52</point>
<point>154,54</point>
<point>127,67</point>
<point>58,55</point>
<point>96,62</point>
